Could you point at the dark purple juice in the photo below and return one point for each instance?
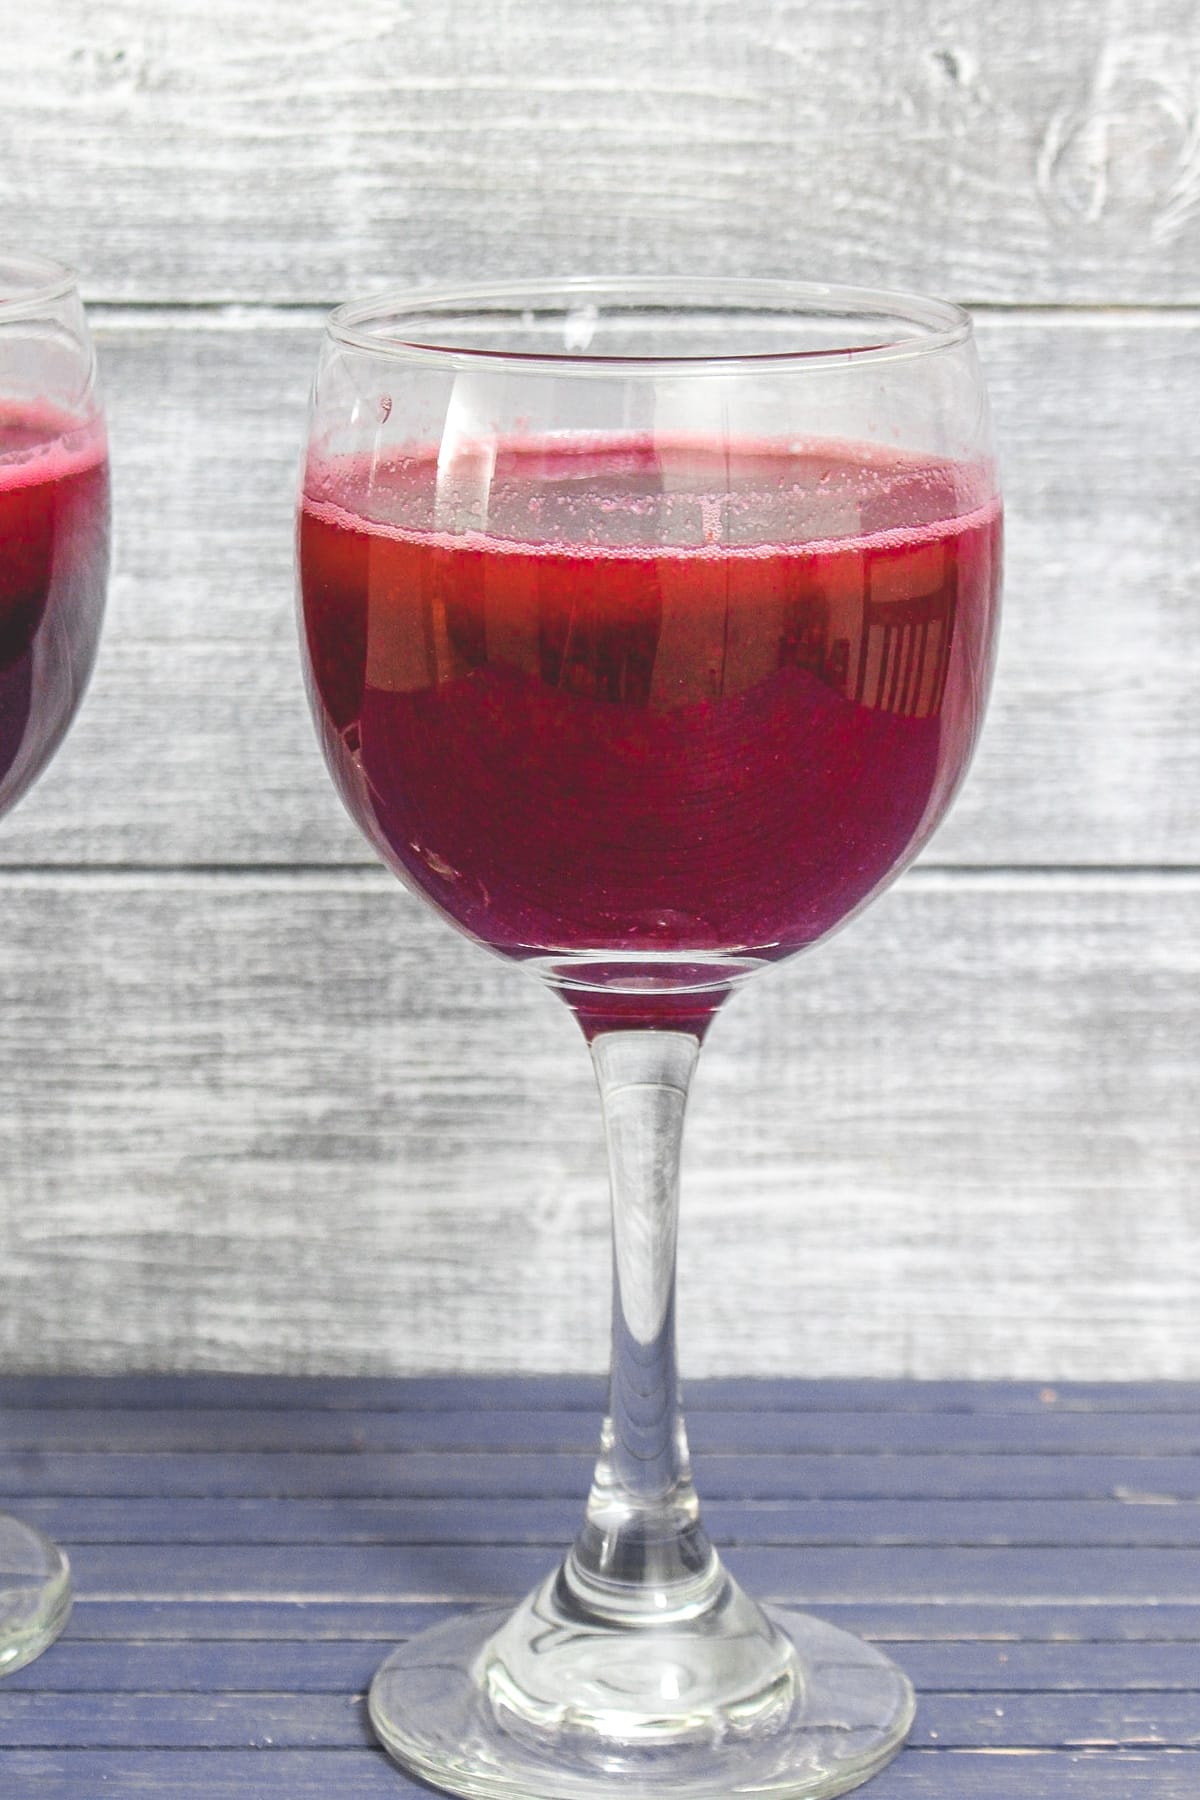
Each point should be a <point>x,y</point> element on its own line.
<point>646,763</point>
<point>53,569</point>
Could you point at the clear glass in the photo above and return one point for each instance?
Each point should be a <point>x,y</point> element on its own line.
<point>54,514</point>
<point>648,628</point>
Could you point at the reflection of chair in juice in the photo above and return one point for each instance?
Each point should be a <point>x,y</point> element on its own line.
<point>904,649</point>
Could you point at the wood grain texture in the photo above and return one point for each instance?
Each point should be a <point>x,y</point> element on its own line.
<point>585,1394</point>
<point>345,1666</point>
<point>221,150</point>
<point>998,1628</point>
<point>195,745</point>
<point>225,1667</point>
<point>1160,1523</point>
<point>284,1121</point>
<point>281,1721</point>
<point>367,1775</point>
<point>549,1431</point>
<point>396,1475</point>
<point>290,1122</point>
<point>475,1574</point>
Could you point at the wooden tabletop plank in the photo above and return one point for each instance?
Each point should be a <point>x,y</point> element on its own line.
<point>536,1520</point>
<point>583,1393</point>
<point>468,1573</point>
<point>367,1775</point>
<point>174,1721</point>
<point>1057,1721</point>
<point>225,1632</point>
<point>393,1474</point>
<point>549,1429</point>
<point>290,1721</point>
<point>345,1666</point>
<point>1000,1624</point>
<point>1037,1668</point>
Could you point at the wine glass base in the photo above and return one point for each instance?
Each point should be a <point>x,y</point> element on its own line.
<point>35,1593</point>
<point>852,1712</point>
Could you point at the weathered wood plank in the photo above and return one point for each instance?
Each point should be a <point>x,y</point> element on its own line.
<point>292,1122</point>
<point>1002,1627</point>
<point>282,1720</point>
<point>1091,755</point>
<point>547,1430</point>
<point>453,1520</point>
<point>359,1774</point>
<point>1122,1669</point>
<point>229,1666</point>
<point>1048,155</point>
<point>392,1475</point>
<point>116,1622</point>
<point>1058,1668</point>
<point>1058,1721</point>
<point>807,1576</point>
<point>210,1721</point>
<point>585,1393</point>
<point>240,1667</point>
<point>365,1775</point>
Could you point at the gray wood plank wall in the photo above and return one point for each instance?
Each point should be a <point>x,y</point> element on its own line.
<point>258,1111</point>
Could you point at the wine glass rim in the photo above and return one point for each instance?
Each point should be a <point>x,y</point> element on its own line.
<point>40,281</point>
<point>376,324</point>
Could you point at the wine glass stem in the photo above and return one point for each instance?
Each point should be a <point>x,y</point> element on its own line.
<point>643,1554</point>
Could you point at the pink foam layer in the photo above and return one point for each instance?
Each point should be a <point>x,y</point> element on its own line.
<point>41,444</point>
<point>354,473</point>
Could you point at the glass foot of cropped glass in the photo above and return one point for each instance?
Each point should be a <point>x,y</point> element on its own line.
<point>35,1593</point>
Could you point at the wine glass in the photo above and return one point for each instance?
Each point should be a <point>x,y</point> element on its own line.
<point>647,627</point>
<point>53,572</point>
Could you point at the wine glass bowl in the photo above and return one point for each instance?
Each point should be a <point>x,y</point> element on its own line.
<point>54,518</point>
<point>648,628</point>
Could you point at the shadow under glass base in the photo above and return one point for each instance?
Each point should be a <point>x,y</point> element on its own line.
<point>845,1713</point>
<point>35,1593</point>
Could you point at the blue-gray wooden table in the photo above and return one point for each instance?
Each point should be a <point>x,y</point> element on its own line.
<point>246,1549</point>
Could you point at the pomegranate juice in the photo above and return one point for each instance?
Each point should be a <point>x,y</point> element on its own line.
<point>717,744</point>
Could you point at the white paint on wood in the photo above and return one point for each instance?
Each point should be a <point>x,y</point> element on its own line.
<point>256,150</point>
<point>1127,150</point>
<point>292,1123</point>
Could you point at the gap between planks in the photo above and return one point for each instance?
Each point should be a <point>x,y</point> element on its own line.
<point>317,877</point>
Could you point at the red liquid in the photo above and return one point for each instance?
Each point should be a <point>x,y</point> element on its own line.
<point>691,756</point>
<point>53,568</point>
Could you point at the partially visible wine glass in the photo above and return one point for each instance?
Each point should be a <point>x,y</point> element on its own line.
<point>54,513</point>
<point>648,630</point>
